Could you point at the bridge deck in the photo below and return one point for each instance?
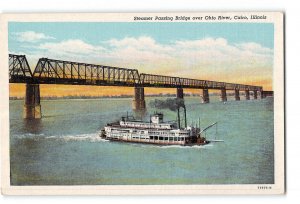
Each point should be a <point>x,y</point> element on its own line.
<point>51,71</point>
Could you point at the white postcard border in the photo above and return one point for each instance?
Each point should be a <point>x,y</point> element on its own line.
<point>278,87</point>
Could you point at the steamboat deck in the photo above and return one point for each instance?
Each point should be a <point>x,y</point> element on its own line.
<point>153,132</point>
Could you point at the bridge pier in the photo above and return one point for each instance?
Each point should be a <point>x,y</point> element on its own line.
<point>205,96</point>
<point>179,93</point>
<point>255,94</point>
<point>223,96</point>
<point>247,94</point>
<point>32,106</point>
<point>262,95</point>
<point>237,95</point>
<point>138,102</point>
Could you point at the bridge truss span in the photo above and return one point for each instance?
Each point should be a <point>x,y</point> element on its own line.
<point>151,80</point>
<point>19,69</point>
<point>50,71</point>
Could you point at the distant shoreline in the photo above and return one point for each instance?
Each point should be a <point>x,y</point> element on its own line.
<point>95,97</point>
<point>120,96</point>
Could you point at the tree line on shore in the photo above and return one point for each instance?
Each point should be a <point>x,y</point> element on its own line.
<point>116,96</point>
<point>95,97</point>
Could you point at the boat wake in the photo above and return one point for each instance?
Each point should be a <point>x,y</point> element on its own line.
<point>207,146</point>
<point>189,147</point>
<point>92,137</point>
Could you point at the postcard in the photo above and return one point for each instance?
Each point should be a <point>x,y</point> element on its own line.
<point>142,103</point>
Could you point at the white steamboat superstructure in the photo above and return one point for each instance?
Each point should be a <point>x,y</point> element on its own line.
<point>154,131</point>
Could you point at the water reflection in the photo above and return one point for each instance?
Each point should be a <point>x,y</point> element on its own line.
<point>33,126</point>
<point>140,114</point>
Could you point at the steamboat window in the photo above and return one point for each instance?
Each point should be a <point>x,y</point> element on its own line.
<point>161,138</point>
<point>166,138</point>
<point>151,137</point>
<point>171,138</point>
<point>156,138</point>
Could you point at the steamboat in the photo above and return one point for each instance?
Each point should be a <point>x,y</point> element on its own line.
<point>155,131</point>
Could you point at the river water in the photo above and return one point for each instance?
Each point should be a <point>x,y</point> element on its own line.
<point>63,148</point>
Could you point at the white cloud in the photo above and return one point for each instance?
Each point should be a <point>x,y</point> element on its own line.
<point>140,43</point>
<point>31,36</point>
<point>73,46</point>
<point>72,50</point>
<point>254,47</point>
<point>142,51</point>
<point>202,43</point>
<point>203,56</point>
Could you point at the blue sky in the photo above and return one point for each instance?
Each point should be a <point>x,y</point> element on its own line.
<point>213,51</point>
<point>162,32</point>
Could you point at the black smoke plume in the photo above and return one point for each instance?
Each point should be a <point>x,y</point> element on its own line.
<point>171,103</point>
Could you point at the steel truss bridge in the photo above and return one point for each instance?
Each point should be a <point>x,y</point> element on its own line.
<point>51,71</point>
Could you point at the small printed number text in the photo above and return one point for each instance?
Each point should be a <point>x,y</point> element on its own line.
<point>264,187</point>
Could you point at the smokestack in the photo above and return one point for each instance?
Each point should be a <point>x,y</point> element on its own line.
<point>185,122</point>
<point>171,104</point>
